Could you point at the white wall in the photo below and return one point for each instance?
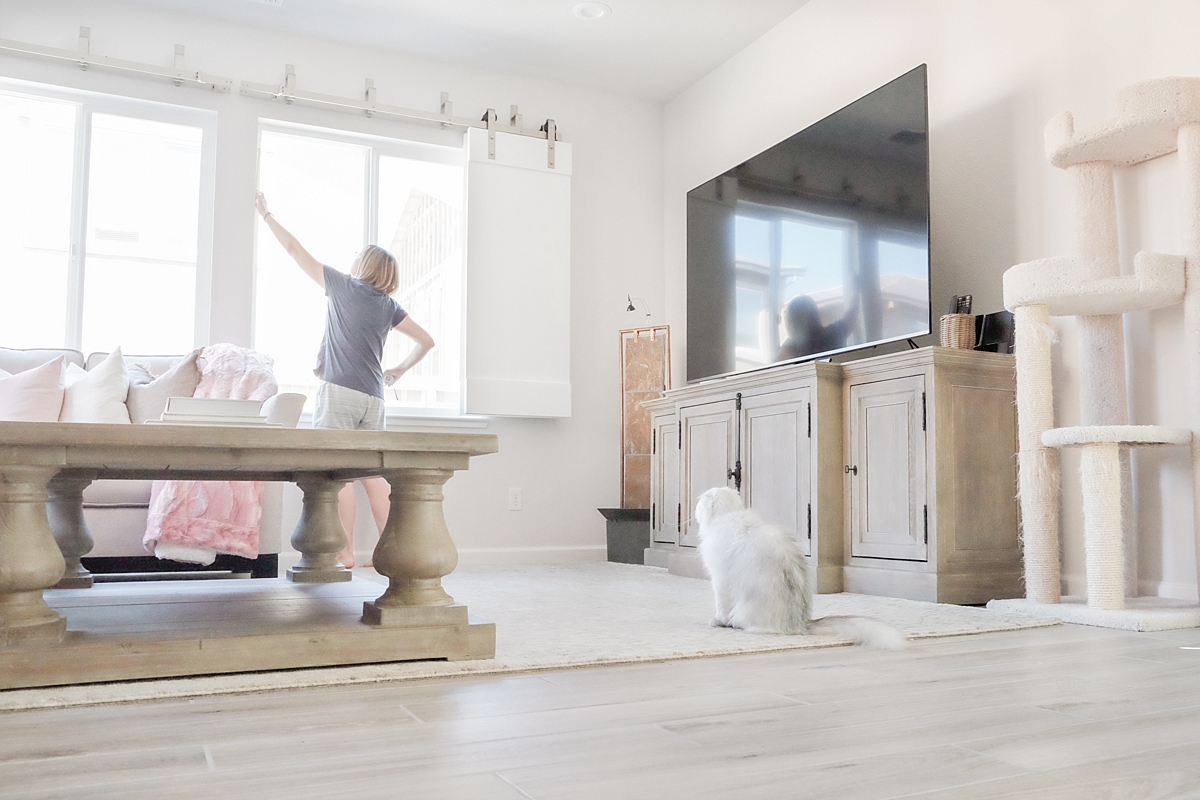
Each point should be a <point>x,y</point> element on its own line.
<point>997,72</point>
<point>566,468</point>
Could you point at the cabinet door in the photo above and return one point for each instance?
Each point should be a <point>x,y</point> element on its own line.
<point>888,511</point>
<point>708,445</point>
<point>664,479</point>
<point>775,460</point>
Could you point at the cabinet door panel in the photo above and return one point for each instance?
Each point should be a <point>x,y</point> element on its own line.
<point>887,490</point>
<point>665,462</point>
<point>708,432</point>
<point>775,460</point>
<point>985,496</point>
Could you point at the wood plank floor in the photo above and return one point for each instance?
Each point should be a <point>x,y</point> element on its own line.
<point>1065,712</point>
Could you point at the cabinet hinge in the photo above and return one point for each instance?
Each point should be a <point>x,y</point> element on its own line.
<point>809,522</point>
<point>652,516</point>
<point>923,411</point>
<point>654,441</point>
<point>681,437</point>
<point>736,472</point>
<point>809,420</point>
<point>679,518</point>
<point>926,524</point>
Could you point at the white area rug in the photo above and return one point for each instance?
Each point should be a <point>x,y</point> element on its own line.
<point>1139,614</point>
<point>553,617</point>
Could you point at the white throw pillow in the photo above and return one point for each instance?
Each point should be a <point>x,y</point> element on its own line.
<point>35,395</point>
<point>148,398</point>
<point>97,395</point>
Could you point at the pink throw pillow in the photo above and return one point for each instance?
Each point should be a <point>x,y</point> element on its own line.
<point>35,395</point>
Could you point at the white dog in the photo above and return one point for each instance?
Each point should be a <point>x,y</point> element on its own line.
<point>761,580</point>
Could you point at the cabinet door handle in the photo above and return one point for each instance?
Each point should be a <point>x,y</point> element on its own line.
<point>853,470</point>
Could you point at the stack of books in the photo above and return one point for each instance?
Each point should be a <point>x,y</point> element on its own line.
<point>214,411</point>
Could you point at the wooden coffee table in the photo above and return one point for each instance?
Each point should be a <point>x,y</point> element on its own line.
<point>44,468</point>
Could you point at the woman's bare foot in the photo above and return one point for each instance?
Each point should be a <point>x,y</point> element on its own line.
<point>346,557</point>
<point>368,564</point>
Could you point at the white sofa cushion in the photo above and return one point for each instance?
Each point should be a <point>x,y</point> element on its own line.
<point>148,395</point>
<point>155,365</point>
<point>97,395</point>
<point>34,395</point>
<point>14,361</point>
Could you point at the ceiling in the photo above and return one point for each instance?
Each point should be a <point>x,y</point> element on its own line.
<point>651,49</point>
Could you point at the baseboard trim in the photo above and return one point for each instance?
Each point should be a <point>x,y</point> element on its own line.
<point>656,557</point>
<point>1175,590</point>
<point>517,556</point>
<point>686,564</point>
<point>1076,585</point>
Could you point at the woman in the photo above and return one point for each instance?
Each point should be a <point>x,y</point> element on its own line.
<point>359,312</point>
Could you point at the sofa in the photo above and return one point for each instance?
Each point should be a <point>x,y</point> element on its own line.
<point>116,511</point>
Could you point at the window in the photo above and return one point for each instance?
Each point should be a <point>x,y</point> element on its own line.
<point>102,216</point>
<point>338,193</point>
<point>903,264</point>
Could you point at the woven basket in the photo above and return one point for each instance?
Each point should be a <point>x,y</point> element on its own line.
<point>958,330</point>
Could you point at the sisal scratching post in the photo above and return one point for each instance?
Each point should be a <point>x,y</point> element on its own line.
<point>1103,399</point>
<point>1189,190</point>
<point>1100,469</point>
<point>1039,470</point>
<point>1129,528</point>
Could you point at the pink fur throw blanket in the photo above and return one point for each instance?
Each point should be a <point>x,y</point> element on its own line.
<point>195,520</point>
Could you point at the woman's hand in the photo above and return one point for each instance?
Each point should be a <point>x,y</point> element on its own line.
<point>390,376</point>
<point>422,342</point>
<point>260,204</point>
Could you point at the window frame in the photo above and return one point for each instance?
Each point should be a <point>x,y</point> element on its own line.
<point>87,104</point>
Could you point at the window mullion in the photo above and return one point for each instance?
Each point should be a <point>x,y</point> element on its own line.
<point>79,212</point>
<point>775,281</point>
<point>371,201</point>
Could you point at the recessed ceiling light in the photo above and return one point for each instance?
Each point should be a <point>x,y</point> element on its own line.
<point>591,11</point>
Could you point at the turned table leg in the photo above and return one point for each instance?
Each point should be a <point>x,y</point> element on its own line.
<point>319,536</point>
<point>64,508</point>
<point>415,549</point>
<point>30,560</point>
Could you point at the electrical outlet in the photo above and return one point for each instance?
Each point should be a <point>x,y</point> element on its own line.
<point>514,499</point>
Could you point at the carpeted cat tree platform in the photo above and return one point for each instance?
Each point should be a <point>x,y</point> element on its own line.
<point>1154,118</point>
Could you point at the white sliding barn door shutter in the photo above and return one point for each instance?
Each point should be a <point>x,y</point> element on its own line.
<point>518,285</point>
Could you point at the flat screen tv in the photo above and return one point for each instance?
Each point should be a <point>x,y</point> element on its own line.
<point>818,245</point>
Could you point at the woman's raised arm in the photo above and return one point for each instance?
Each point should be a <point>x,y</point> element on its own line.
<point>312,268</point>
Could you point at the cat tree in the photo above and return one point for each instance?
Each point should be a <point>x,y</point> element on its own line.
<point>1153,118</point>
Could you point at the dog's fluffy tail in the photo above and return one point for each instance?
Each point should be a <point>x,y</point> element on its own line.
<point>863,630</point>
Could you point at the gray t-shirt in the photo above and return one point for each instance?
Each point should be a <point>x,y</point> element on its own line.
<point>357,320</point>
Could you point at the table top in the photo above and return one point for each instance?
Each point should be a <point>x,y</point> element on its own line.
<point>201,452</point>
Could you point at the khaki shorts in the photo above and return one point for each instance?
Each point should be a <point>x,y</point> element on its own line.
<point>342,409</point>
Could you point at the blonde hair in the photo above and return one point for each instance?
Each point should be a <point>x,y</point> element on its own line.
<point>377,267</point>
